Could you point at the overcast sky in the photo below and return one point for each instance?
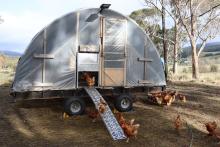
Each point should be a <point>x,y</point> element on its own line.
<point>24,18</point>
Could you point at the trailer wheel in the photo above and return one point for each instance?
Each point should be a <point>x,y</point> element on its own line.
<point>74,106</point>
<point>124,103</point>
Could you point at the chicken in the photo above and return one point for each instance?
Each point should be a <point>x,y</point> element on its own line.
<point>115,111</point>
<point>89,79</point>
<point>65,115</point>
<point>211,127</point>
<point>164,97</point>
<point>173,95</point>
<point>132,121</point>
<point>121,119</point>
<point>159,100</point>
<point>102,108</point>
<point>102,101</point>
<point>168,99</point>
<point>102,105</point>
<point>181,97</point>
<point>93,114</point>
<point>178,122</point>
<point>130,129</point>
<point>217,134</point>
<point>158,94</point>
<point>136,126</point>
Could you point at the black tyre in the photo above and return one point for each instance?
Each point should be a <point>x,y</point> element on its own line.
<point>74,106</point>
<point>124,103</point>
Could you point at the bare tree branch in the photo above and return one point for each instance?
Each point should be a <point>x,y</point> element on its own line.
<point>181,19</point>
<point>150,2</point>
<point>198,6</point>
<point>209,10</point>
<point>170,14</point>
<point>203,44</point>
<point>205,25</point>
<point>172,42</point>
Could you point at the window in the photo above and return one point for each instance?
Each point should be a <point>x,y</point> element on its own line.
<point>87,58</point>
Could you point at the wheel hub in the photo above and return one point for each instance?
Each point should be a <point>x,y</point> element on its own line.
<point>75,107</point>
<point>125,103</point>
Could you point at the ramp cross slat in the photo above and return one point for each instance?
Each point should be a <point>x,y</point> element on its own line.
<point>109,119</point>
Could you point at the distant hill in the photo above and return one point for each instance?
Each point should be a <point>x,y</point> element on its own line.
<point>10,53</point>
<point>212,48</point>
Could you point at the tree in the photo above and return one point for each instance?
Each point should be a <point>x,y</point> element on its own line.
<point>161,9</point>
<point>148,19</point>
<point>200,21</point>
<point>177,37</point>
<point>163,15</point>
<point>177,33</point>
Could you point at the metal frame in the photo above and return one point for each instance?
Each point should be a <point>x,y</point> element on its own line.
<point>44,56</point>
<point>145,60</point>
<point>102,41</point>
<point>88,49</point>
<point>77,45</point>
<point>102,36</point>
<point>126,53</point>
<point>45,52</point>
<point>144,82</point>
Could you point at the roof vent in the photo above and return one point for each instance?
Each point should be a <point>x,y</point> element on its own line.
<point>94,16</point>
<point>104,6</point>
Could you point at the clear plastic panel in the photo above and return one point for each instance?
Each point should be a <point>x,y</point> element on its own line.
<point>87,58</point>
<point>114,56</point>
<point>111,48</point>
<point>114,64</point>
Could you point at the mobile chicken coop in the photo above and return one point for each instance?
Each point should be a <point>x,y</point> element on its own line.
<point>106,44</point>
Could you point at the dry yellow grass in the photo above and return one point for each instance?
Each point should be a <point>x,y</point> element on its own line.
<point>7,68</point>
<point>2,60</point>
<point>205,76</point>
<point>209,68</point>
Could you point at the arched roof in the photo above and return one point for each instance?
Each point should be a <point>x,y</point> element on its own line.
<point>58,42</point>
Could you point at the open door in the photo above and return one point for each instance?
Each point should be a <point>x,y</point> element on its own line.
<point>113,52</point>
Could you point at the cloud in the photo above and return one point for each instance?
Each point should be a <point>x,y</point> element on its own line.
<point>23,19</point>
<point>21,27</point>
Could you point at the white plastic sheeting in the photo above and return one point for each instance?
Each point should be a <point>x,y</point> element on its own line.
<point>50,61</point>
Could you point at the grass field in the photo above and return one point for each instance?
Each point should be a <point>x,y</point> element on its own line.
<point>209,68</point>
<point>7,70</point>
<point>185,74</point>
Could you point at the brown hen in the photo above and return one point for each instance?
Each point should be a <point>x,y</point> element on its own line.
<point>121,119</point>
<point>89,79</point>
<point>102,105</point>
<point>178,123</point>
<point>130,129</point>
<point>182,98</point>
<point>65,115</point>
<point>211,127</point>
<point>164,97</point>
<point>93,114</point>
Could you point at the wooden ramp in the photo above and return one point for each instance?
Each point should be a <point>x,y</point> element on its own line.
<point>109,119</point>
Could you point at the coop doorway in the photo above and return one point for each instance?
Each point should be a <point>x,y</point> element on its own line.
<point>88,69</point>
